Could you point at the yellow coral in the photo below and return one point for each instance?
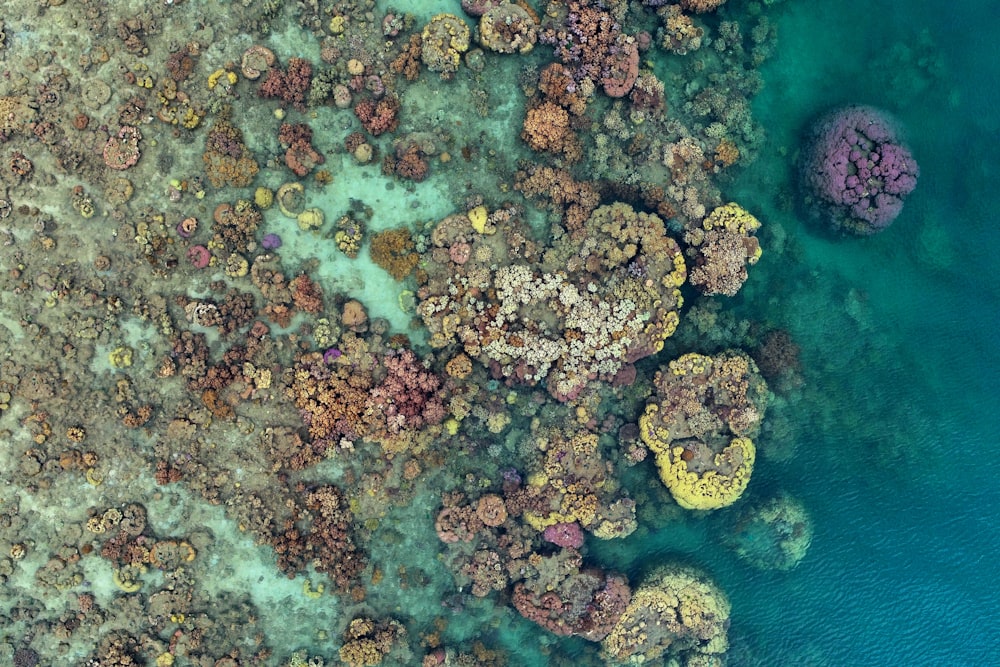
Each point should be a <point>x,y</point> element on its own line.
<point>711,489</point>
<point>538,479</point>
<point>691,363</point>
<point>120,357</point>
<point>310,592</point>
<point>311,218</point>
<point>445,38</point>
<point>540,522</point>
<point>237,266</point>
<point>288,196</point>
<point>361,652</point>
<point>657,438</point>
<point>191,119</point>
<point>349,244</point>
<point>337,25</point>
<point>479,218</point>
<point>676,277</point>
<point>733,218</point>
<point>127,578</point>
<point>218,75</point>
<point>675,611</point>
<point>263,197</point>
<point>497,422</point>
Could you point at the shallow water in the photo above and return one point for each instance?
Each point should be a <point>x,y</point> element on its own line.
<point>889,441</point>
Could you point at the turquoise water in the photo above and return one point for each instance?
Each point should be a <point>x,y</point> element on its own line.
<point>890,443</point>
<point>896,455</point>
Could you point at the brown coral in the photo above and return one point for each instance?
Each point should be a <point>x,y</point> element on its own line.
<point>395,252</point>
<point>491,510</point>
<point>701,6</point>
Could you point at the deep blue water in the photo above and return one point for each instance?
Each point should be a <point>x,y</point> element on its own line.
<point>897,456</point>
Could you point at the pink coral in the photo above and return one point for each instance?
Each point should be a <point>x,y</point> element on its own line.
<point>857,170</point>
<point>408,395</point>
<point>587,603</point>
<point>459,252</point>
<point>564,535</point>
<point>291,85</point>
<point>199,256</point>
<point>591,45</point>
<point>623,69</point>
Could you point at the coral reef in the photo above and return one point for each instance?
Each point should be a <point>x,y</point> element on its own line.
<point>507,28</point>
<point>367,642</point>
<point>290,85</point>
<point>200,364</point>
<point>570,487</point>
<point>603,298</point>
<point>395,251</point>
<point>443,41</point>
<point>722,249</point>
<point>378,116</point>
<point>227,159</point>
<point>122,149</point>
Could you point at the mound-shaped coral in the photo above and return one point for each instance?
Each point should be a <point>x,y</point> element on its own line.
<point>675,612</point>
<point>699,426</point>
<point>443,41</point>
<point>602,297</point>
<point>772,535</point>
<point>723,247</point>
<point>857,170</point>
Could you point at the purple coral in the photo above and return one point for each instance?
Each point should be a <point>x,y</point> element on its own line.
<point>856,169</point>
<point>271,242</point>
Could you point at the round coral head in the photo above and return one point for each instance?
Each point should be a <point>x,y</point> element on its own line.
<point>855,169</point>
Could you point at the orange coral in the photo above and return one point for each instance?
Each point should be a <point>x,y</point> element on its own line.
<point>491,510</point>
<point>306,294</point>
<point>459,366</point>
<point>546,128</point>
<point>556,83</point>
<point>574,200</point>
<point>331,400</point>
<point>227,159</point>
<point>407,62</point>
<point>726,153</point>
<point>354,315</point>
